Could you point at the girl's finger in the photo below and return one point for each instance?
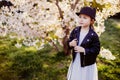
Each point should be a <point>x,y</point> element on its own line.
<point>74,39</point>
<point>76,51</point>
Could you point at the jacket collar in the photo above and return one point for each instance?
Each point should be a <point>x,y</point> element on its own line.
<point>85,38</point>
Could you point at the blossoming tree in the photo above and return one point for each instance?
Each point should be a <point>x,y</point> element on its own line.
<point>35,23</point>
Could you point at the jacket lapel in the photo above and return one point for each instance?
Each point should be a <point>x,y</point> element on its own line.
<point>78,35</point>
<point>86,37</point>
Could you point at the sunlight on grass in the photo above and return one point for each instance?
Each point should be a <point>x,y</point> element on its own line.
<point>33,49</point>
<point>3,46</point>
<point>117,22</point>
<point>45,65</point>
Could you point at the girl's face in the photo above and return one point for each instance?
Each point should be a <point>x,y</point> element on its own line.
<point>84,20</point>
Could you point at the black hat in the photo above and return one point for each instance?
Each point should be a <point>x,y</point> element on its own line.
<point>88,11</point>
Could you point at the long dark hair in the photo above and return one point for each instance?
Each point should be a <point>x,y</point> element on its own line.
<point>92,23</point>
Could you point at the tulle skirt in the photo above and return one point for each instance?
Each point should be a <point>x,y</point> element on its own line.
<point>76,72</point>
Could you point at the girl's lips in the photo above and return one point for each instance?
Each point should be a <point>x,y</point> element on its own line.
<point>81,23</point>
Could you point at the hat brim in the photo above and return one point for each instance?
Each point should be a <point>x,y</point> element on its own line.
<point>83,13</point>
<point>77,14</point>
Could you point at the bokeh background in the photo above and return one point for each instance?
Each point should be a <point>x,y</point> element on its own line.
<point>29,63</point>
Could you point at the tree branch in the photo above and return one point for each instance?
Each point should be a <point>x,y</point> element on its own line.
<point>56,47</point>
<point>60,11</point>
<point>74,5</point>
<point>65,28</point>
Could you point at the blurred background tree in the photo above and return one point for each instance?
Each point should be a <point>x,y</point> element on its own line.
<point>29,29</point>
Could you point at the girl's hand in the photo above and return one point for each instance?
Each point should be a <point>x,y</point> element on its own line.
<point>73,43</point>
<point>79,49</point>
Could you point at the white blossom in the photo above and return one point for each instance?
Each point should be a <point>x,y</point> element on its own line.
<point>29,19</point>
<point>60,33</point>
<point>18,45</point>
<point>106,53</point>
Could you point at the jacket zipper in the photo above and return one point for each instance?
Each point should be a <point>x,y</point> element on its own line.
<point>83,60</point>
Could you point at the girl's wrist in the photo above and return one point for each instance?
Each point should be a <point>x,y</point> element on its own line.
<point>70,44</point>
<point>82,49</point>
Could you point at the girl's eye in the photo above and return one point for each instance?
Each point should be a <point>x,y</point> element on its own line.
<point>84,17</point>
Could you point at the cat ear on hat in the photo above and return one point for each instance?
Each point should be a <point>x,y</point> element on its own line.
<point>94,9</point>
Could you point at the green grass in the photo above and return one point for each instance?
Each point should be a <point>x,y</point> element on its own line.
<point>26,63</point>
<point>110,39</point>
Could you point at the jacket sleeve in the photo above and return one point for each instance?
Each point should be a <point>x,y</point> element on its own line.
<point>94,47</point>
<point>71,37</point>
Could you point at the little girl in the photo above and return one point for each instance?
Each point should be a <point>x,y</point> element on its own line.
<point>85,45</point>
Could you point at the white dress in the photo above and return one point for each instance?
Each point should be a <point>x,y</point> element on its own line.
<point>76,72</point>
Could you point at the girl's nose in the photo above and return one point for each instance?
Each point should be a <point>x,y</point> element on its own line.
<point>81,20</point>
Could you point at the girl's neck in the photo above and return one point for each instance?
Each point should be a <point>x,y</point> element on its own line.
<point>85,28</point>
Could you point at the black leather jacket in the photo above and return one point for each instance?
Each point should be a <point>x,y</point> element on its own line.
<point>90,43</point>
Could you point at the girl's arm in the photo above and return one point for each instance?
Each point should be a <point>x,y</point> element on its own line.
<point>95,46</point>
